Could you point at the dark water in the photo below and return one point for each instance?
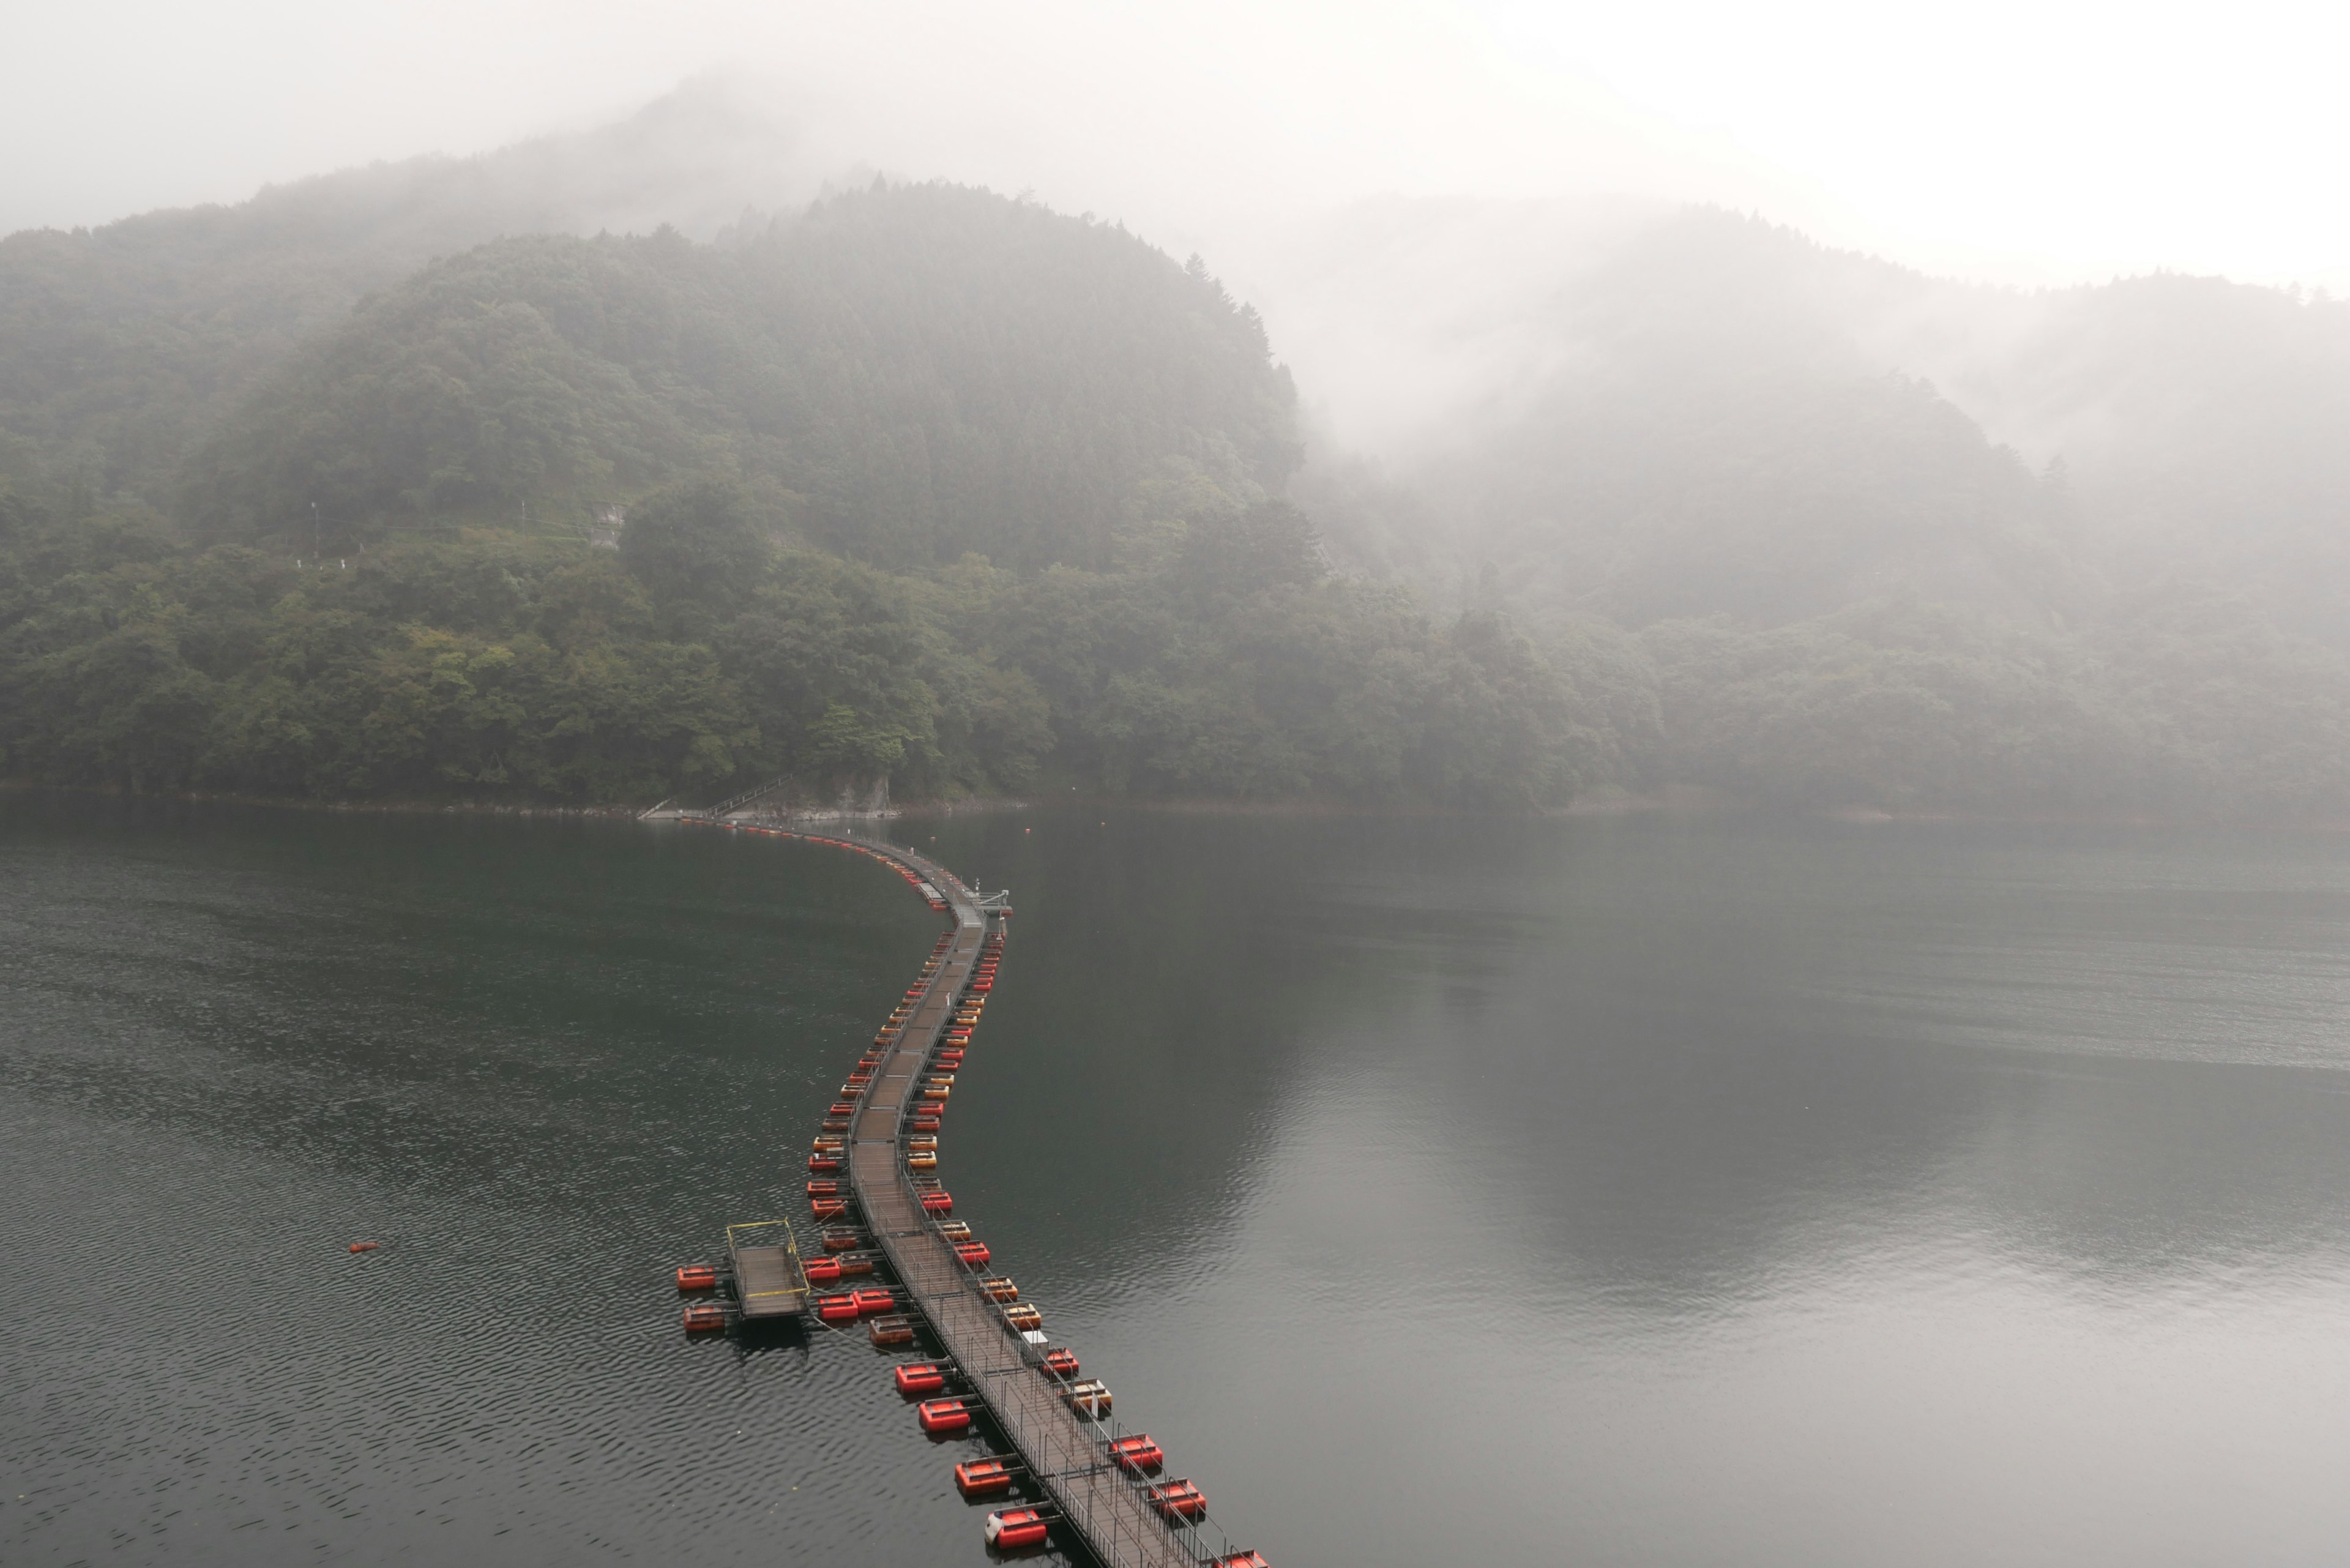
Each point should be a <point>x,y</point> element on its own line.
<point>1700,1191</point>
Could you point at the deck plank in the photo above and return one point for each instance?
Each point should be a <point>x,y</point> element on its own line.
<point>1064,1453</point>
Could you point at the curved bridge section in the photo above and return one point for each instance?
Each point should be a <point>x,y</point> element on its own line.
<point>1063,1446</point>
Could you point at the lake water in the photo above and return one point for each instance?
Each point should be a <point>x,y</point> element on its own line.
<point>1658,1190</point>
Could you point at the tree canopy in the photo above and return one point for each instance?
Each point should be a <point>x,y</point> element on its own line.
<point>928,487</point>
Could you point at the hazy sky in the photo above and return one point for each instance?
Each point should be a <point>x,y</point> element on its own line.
<point>2049,139</point>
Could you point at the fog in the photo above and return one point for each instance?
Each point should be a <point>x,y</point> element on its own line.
<point>2039,143</point>
<point>1806,398</point>
<point>1397,185</point>
<point>1407,422</point>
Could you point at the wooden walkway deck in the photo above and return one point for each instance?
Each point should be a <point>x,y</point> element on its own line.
<point>1064,1455</point>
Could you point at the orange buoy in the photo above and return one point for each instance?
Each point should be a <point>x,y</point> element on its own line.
<point>1024,1318</point>
<point>982,1478</point>
<point>1017,1527</point>
<point>837,1309</point>
<point>823,1271</point>
<point>873,1303</point>
<point>971,1254</point>
<point>1061,1363</point>
<point>999,1288</point>
<point>921,1377</point>
<point>823,1189</point>
<point>365,1246</point>
<point>828,1208</point>
<point>1241,1560</point>
<point>828,1161</point>
<point>944,1416</point>
<point>696,1277</point>
<point>937,1203</point>
<point>702,1316</point>
<point>842,1239</point>
<point>1178,1497</point>
<point>1137,1455</point>
<point>954,1231</point>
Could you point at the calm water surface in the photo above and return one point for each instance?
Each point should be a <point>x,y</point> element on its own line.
<point>1652,1190</point>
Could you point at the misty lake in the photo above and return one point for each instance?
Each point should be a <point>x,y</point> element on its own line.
<point>1647,1189</point>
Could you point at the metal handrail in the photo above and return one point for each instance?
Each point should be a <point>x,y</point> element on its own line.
<point>1100,1527</point>
<point>748,795</point>
<point>1081,1480</point>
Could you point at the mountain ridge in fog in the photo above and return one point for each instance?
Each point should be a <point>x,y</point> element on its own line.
<point>1433,336</point>
<point>1782,520</point>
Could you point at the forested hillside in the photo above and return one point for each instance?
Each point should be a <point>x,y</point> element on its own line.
<point>927,486</point>
<point>120,347</point>
<point>906,375</point>
<point>1841,588</point>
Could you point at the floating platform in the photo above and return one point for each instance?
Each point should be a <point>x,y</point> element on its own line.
<point>1069,1448</point>
<point>769,1280</point>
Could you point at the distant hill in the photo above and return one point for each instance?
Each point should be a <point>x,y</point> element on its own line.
<point>1823,529</point>
<point>907,373</point>
<point>924,488</point>
<point>120,347</point>
<point>2201,426</point>
<point>929,486</point>
<point>1704,412</point>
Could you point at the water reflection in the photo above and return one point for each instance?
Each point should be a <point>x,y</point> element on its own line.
<point>1639,1190</point>
<point>1697,1191</point>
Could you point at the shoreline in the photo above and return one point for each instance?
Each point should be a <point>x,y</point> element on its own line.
<point>1675,801</point>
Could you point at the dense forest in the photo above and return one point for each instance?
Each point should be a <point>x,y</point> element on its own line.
<point>930,487</point>
<point>926,486</point>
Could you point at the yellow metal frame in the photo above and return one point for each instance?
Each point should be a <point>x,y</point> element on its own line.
<point>791,1247</point>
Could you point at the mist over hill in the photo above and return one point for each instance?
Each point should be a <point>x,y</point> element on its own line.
<point>936,486</point>
<point>123,346</point>
<point>2191,420</point>
<point>905,376</point>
